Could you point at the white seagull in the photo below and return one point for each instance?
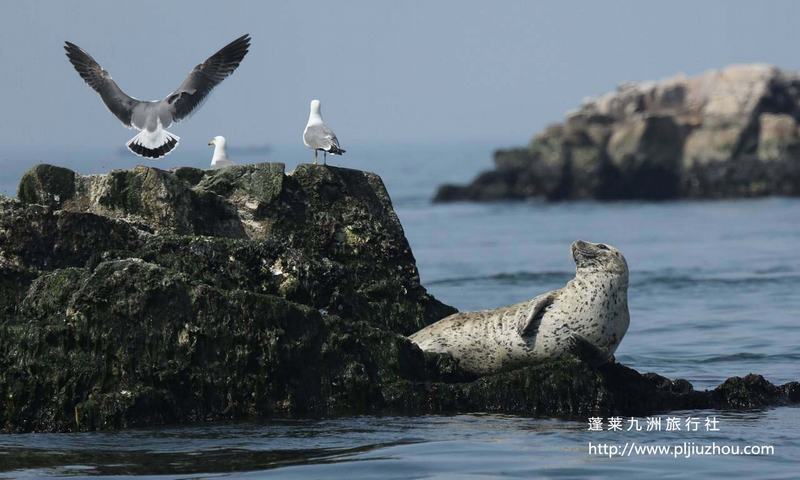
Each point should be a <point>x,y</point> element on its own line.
<point>152,118</point>
<point>317,136</point>
<point>220,158</point>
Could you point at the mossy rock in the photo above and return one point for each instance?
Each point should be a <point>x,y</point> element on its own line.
<point>151,297</point>
<point>47,185</point>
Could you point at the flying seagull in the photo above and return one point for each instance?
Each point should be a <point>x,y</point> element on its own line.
<point>220,158</point>
<point>152,118</point>
<point>317,136</point>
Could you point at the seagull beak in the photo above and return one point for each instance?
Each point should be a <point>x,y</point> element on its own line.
<point>211,142</point>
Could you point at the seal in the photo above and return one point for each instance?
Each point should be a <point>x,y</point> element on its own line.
<point>587,317</point>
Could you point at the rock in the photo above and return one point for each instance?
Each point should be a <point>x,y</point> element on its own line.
<point>47,185</point>
<point>778,137</point>
<point>149,297</point>
<point>571,388</point>
<point>34,237</point>
<point>727,133</point>
<point>326,237</point>
<point>644,160</point>
<point>120,345</point>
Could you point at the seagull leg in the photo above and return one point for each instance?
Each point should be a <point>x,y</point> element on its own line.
<point>324,157</point>
<point>315,156</point>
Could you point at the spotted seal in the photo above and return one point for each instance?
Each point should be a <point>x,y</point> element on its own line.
<point>587,317</point>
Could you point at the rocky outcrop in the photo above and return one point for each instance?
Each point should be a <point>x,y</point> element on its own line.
<point>571,388</point>
<point>327,238</point>
<point>727,133</point>
<point>147,297</point>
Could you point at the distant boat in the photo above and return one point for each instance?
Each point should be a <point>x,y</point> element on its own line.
<point>250,150</point>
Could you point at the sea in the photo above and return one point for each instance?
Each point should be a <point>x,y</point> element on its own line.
<point>714,292</point>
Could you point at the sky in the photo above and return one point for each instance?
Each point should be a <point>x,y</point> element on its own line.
<point>403,72</point>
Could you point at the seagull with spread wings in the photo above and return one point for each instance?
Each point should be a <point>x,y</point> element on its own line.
<point>152,118</point>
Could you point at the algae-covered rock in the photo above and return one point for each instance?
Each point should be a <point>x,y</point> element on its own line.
<point>326,237</point>
<point>38,237</point>
<point>569,387</point>
<point>130,343</point>
<point>149,297</point>
<point>47,185</point>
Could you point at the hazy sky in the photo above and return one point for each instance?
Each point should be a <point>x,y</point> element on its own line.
<point>410,72</point>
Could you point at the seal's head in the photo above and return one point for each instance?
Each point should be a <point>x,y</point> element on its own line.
<point>598,258</point>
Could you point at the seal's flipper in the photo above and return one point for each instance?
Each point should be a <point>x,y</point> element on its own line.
<point>530,323</point>
<point>586,351</point>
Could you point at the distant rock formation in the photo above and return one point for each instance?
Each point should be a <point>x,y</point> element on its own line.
<point>144,297</point>
<point>727,133</point>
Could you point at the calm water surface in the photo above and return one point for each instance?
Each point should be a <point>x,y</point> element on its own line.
<point>714,292</point>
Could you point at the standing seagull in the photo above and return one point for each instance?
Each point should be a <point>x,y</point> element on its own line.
<point>317,136</point>
<point>220,158</point>
<point>151,118</point>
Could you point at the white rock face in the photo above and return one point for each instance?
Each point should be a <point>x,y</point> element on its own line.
<point>716,109</point>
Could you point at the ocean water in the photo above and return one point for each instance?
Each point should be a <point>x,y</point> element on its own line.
<point>714,292</point>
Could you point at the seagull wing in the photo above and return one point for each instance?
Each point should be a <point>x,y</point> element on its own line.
<point>93,74</point>
<point>205,77</point>
<point>332,138</point>
<point>319,136</point>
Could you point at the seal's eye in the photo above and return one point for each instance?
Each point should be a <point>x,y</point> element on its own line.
<point>602,247</point>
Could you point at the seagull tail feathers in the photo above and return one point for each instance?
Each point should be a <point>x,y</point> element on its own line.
<point>336,150</point>
<point>153,144</point>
